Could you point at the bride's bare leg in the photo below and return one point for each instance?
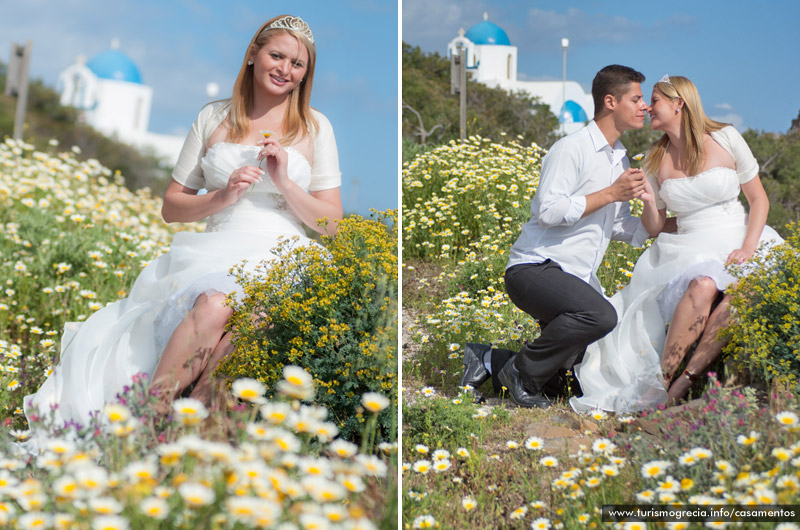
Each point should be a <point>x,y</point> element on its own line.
<point>205,387</point>
<point>708,349</point>
<point>191,345</point>
<point>687,324</point>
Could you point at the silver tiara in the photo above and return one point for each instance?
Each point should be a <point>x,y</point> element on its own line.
<point>665,79</point>
<point>296,24</point>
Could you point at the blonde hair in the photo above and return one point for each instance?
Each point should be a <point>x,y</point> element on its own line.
<point>694,124</point>
<point>298,120</point>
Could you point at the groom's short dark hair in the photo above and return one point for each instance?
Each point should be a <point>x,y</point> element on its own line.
<point>613,79</point>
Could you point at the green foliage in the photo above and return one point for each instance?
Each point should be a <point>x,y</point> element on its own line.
<point>764,334</point>
<point>46,119</point>
<point>412,149</point>
<point>438,422</point>
<point>638,141</point>
<point>778,157</point>
<point>431,114</point>
<point>617,268</point>
<point>331,310</point>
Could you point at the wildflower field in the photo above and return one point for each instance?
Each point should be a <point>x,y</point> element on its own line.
<point>73,239</point>
<point>497,466</point>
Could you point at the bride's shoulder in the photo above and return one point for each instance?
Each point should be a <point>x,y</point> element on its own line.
<point>323,124</point>
<point>210,118</point>
<point>215,109</point>
<point>727,137</point>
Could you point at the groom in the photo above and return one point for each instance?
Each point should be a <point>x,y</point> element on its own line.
<point>581,203</point>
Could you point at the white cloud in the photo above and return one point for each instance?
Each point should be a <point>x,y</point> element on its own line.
<point>431,24</point>
<point>723,106</point>
<point>580,27</point>
<point>732,118</point>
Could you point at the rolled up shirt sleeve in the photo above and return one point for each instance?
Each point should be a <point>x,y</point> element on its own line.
<point>556,201</point>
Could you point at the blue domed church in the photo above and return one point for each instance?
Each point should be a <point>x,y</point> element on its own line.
<point>492,60</point>
<point>112,97</point>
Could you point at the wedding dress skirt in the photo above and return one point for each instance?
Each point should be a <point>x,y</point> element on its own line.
<point>100,356</point>
<point>622,371</point>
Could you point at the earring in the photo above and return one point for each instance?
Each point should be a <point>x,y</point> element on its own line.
<point>249,63</point>
<point>677,111</point>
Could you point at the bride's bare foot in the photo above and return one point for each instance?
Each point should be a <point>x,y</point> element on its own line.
<point>680,387</point>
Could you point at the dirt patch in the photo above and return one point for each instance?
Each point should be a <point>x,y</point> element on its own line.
<point>564,431</point>
<point>421,285</point>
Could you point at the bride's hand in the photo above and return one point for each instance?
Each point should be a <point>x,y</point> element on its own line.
<point>277,161</point>
<point>738,256</point>
<point>239,182</point>
<point>647,195</point>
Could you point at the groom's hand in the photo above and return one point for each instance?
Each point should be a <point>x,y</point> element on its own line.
<point>629,185</point>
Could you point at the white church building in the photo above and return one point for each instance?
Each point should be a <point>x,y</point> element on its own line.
<point>492,60</point>
<point>113,98</point>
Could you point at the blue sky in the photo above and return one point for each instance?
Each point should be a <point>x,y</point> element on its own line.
<point>742,55</point>
<point>181,45</point>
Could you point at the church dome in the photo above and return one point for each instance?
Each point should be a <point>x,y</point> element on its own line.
<point>573,112</point>
<point>487,33</point>
<point>113,64</point>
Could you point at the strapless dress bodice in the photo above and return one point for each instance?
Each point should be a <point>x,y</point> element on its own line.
<point>705,200</point>
<point>263,208</point>
<point>223,158</point>
<point>688,194</point>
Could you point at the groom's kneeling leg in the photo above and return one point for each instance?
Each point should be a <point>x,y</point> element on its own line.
<point>571,312</point>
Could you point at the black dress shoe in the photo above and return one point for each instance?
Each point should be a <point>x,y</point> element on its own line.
<point>475,373</point>
<point>510,377</point>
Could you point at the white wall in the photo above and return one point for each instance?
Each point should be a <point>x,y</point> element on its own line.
<point>123,108</point>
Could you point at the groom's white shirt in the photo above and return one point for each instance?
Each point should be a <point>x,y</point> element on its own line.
<point>577,165</point>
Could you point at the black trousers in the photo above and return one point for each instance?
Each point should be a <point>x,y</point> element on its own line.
<point>571,316</point>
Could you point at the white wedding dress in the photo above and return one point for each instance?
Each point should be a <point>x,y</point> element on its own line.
<point>622,371</point>
<point>100,356</point>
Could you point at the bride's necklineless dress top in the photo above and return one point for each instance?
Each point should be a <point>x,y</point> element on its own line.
<point>622,371</point>
<point>101,355</point>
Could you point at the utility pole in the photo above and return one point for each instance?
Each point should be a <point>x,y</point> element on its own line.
<point>17,82</point>
<point>458,85</point>
<point>564,46</point>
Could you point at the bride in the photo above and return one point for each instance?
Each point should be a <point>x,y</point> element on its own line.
<point>697,170</point>
<point>269,164</point>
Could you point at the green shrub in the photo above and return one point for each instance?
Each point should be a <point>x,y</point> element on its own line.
<point>331,310</point>
<point>765,334</point>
